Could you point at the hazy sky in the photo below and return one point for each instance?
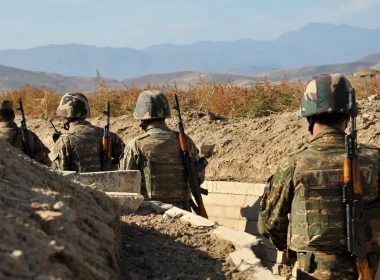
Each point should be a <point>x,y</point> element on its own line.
<point>141,23</point>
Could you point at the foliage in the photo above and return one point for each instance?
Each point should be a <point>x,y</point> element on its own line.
<point>260,99</point>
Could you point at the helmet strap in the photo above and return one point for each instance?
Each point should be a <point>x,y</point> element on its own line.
<point>311,122</point>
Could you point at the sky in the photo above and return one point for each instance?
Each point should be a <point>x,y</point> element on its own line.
<point>141,23</point>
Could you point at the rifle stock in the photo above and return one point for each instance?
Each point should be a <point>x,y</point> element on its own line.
<point>192,168</point>
<point>357,237</point>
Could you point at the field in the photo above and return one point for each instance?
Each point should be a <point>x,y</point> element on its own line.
<point>261,99</point>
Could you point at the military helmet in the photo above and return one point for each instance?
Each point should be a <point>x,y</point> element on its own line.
<point>6,105</point>
<point>73,105</point>
<point>325,93</point>
<point>152,104</point>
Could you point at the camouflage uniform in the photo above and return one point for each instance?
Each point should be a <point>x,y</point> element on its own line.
<point>80,148</point>
<point>301,208</point>
<point>10,132</point>
<point>157,154</point>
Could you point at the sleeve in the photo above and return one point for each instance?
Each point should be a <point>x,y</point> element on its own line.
<point>195,154</point>
<point>275,205</point>
<point>61,156</point>
<point>41,152</point>
<point>130,159</point>
<point>117,148</point>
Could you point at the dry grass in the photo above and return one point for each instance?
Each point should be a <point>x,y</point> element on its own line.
<point>224,99</point>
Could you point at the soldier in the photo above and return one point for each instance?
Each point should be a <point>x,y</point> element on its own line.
<point>301,208</point>
<point>157,153</point>
<point>79,149</point>
<point>10,132</point>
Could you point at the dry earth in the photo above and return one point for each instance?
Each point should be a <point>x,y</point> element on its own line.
<point>156,248</point>
<point>51,228</point>
<point>257,145</point>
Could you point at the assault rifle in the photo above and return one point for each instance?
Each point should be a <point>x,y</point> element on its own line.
<point>106,141</point>
<point>357,214</point>
<point>192,167</point>
<point>24,131</point>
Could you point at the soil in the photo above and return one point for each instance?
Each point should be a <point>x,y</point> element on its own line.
<point>155,248</point>
<point>51,228</point>
<point>256,148</point>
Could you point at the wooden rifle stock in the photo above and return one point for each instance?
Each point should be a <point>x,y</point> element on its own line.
<point>352,197</point>
<point>191,167</point>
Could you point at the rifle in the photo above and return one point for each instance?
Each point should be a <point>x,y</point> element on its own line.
<point>56,133</point>
<point>192,168</point>
<point>106,141</point>
<point>357,214</point>
<point>24,131</point>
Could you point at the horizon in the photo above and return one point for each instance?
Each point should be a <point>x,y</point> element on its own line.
<point>125,24</point>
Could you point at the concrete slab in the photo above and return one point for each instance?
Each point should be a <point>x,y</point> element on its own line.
<point>237,238</point>
<point>193,219</point>
<point>129,202</point>
<point>111,181</point>
<point>234,187</point>
<point>244,259</point>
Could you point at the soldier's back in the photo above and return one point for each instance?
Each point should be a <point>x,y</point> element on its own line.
<point>317,220</point>
<point>79,149</point>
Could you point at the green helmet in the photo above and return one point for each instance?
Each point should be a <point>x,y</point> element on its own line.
<point>325,93</point>
<point>73,105</point>
<point>6,105</point>
<point>152,104</point>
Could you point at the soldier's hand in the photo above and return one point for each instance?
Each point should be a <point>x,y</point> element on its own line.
<point>56,135</point>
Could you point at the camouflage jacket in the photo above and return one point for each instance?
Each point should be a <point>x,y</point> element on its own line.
<point>302,209</point>
<point>10,132</point>
<point>79,149</point>
<point>157,154</point>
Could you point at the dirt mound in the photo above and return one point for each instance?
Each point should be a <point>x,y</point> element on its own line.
<point>246,150</point>
<point>52,228</point>
<point>155,248</point>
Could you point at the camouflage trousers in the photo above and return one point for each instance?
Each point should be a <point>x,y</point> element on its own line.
<point>330,265</point>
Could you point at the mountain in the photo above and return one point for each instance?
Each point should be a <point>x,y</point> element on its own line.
<point>314,44</point>
<point>305,73</point>
<point>11,78</point>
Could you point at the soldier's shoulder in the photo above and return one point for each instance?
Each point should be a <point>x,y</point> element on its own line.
<point>298,152</point>
<point>368,146</point>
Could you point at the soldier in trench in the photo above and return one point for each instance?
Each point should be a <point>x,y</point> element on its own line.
<point>10,132</point>
<point>157,153</point>
<point>301,209</point>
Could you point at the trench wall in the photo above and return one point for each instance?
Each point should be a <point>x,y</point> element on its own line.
<point>236,205</point>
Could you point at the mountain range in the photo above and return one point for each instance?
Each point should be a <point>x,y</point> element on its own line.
<point>312,45</point>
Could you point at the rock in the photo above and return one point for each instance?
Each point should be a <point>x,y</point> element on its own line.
<point>211,116</point>
<point>129,202</point>
<point>373,98</point>
<point>160,207</point>
<point>207,150</point>
<point>111,181</point>
<point>225,143</point>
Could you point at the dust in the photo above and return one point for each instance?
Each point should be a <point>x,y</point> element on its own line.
<point>51,228</point>
<point>155,248</point>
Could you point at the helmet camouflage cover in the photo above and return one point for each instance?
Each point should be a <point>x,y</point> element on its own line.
<point>73,105</point>
<point>325,93</point>
<point>152,104</point>
<point>6,105</point>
